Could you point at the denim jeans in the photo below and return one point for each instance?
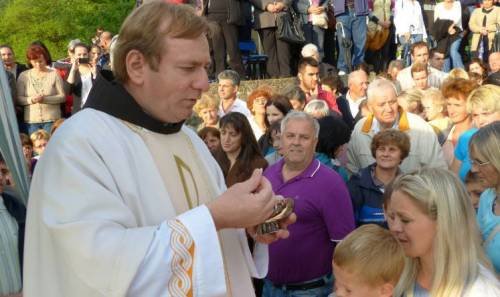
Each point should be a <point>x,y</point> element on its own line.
<point>455,59</point>
<point>354,30</point>
<point>406,44</point>
<point>276,291</point>
<point>315,35</point>
<point>33,127</point>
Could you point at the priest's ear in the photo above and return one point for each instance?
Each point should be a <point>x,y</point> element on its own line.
<point>135,63</point>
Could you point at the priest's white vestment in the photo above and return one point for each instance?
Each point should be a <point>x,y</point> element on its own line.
<point>102,222</point>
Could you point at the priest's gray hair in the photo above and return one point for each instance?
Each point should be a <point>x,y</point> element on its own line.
<point>380,86</point>
<point>300,115</point>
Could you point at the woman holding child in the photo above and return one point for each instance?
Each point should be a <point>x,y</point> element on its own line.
<point>431,216</point>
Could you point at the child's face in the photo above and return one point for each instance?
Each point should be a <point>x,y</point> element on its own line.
<point>27,152</point>
<point>39,146</point>
<point>475,189</point>
<point>349,285</point>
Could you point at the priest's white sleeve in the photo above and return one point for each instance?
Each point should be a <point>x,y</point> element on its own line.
<point>184,256</point>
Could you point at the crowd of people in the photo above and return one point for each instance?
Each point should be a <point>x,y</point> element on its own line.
<point>394,176</point>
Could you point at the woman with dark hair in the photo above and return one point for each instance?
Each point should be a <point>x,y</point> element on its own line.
<point>40,91</point>
<point>81,76</point>
<point>240,153</point>
<point>333,137</point>
<point>477,65</point>
<point>277,108</point>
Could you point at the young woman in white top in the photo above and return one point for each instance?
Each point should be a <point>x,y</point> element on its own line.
<point>430,214</point>
<point>451,10</point>
<point>409,24</point>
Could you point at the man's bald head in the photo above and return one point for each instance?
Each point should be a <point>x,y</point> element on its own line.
<point>357,83</point>
<point>380,86</point>
<point>494,62</point>
<point>106,38</point>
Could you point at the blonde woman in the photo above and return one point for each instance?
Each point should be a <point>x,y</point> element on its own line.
<point>485,159</point>
<point>430,214</point>
<point>484,108</point>
<point>206,108</point>
<point>434,106</point>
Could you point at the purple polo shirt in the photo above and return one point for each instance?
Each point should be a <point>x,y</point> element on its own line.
<point>324,214</point>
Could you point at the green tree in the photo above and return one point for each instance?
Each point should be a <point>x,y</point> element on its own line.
<point>56,22</point>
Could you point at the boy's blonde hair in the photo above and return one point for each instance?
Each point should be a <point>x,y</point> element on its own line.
<point>372,254</point>
<point>39,134</point>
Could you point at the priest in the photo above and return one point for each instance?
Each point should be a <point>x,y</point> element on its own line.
<point>127,201</point>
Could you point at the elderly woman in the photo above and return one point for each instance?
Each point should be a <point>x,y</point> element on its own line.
<point>206,108</point>
<point>296,97</point>
<point>430,214</point>
<point>484,108</point>
<point>389,148</point>
<point>485,158</point>
<point>40,91</point>
<point>482,24</point>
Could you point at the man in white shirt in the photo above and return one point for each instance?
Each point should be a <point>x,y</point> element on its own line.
<point>229,82</point>
<point>127,200</point>
<point>420,53</point>
<point>357,83</point>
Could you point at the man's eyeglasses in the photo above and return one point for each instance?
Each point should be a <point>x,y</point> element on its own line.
<point>478,162</point>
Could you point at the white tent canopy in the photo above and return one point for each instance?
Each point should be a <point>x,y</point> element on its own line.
<point>10,142</point>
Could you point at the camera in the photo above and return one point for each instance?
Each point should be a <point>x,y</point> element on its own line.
<point>83,60</point>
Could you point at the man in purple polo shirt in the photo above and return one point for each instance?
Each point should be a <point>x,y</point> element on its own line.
<point>324,214</point>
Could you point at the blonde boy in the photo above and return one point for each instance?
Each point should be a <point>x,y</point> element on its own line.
<point>367,263</point>
<point>39,138</point>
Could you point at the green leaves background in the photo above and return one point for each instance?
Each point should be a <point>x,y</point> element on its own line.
<point>56,22</point>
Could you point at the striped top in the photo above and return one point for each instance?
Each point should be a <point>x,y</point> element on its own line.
<point>10,270</point>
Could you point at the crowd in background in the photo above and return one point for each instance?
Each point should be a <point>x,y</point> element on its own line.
<point>434,103</point>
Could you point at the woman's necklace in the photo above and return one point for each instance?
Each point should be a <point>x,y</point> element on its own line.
<point>37,80</point>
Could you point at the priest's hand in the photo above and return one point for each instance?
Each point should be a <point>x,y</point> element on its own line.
<point>245,204</point>
<point>282,233</point>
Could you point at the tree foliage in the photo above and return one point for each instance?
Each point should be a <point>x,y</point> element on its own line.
<point>56,22</point>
